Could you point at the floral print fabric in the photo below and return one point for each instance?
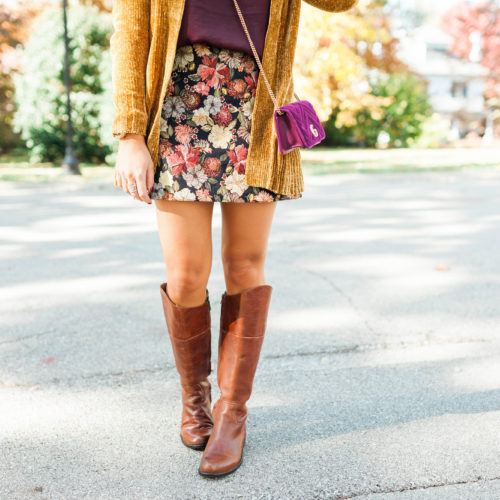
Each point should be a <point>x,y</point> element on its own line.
<point>205,128</point>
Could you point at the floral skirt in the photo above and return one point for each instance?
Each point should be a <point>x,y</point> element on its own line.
<point>205,128</point>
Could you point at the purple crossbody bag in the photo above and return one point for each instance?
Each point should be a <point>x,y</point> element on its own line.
<point>297,125</point>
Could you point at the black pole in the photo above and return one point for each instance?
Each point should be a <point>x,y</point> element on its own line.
<point>70,161</point>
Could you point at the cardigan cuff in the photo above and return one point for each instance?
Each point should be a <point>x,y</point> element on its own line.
<point>135,123</point>
<point>121,135</point>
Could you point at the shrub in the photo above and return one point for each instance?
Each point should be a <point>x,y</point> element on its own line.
<point>401,121</point>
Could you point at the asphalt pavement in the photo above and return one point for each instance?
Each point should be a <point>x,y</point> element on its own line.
<point>380,371</point>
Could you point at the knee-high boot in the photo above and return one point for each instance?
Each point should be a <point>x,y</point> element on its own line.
<point>190,335</point>
<point>243,324</point>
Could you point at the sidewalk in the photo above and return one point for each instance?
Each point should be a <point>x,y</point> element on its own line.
<point>380,371</point>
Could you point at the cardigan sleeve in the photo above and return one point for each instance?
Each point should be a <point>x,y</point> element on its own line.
<point>129,48</point>
<point>333,5</point>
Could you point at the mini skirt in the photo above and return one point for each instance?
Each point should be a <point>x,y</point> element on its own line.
<point>205,128</point>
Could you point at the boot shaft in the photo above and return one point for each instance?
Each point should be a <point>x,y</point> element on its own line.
<point>190,336</point>
<point>243,325</point>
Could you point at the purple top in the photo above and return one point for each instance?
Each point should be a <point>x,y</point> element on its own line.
<point>216,22</point>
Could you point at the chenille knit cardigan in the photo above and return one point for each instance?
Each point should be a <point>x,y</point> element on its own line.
<point>143,46</point>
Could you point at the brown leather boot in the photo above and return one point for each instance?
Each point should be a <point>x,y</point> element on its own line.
<point>243,324</point>
<point>190,335</point>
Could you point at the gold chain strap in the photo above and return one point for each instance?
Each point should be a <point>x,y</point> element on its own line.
<point>257,58</point>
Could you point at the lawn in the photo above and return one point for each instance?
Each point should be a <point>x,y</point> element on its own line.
<point>317,161</point>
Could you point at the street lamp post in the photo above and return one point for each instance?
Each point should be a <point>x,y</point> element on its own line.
<point>70,161</point>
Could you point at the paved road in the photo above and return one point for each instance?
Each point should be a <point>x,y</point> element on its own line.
<point>380,371</point>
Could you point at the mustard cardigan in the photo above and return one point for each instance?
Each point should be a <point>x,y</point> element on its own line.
<point>143,46</point>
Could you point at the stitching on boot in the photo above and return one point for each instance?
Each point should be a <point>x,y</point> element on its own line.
<point>180,339</point>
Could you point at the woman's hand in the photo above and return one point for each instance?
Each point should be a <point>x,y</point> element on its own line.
<point>134,166</point>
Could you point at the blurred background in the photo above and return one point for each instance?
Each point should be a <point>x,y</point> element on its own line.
<point>415,78</point>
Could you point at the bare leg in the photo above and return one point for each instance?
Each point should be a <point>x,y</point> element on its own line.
<point>245,232</point>
<point>185,230</point>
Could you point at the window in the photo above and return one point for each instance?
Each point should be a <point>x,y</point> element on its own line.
<point>459,89</point>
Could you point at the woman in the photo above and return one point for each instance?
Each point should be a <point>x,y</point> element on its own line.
<point>195,124</point>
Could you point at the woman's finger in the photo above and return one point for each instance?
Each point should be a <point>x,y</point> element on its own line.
<point>119,180</point>
<point>142,190</point>
<point>150,176</point>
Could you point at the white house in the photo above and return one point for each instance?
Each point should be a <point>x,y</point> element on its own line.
<point>455,85</point>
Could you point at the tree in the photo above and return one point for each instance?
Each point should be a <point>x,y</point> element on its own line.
<point>14,29</point>
<point>102,5</point>
<point>338,54</point>
<point>40,92</point>
<point>470,24</point>
<point>347,65</point>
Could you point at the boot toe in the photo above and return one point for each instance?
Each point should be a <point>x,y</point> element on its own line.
<point>195,444</point>
<point>195,436</point>
<point>218,465</point>
<point>221,457</point>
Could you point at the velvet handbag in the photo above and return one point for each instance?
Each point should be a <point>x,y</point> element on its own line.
<point>296,124</point>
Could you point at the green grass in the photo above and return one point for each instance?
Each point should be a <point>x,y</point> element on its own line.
<point>321,161</point>
<point>322,169</point>
<point>317,161</point>
<point>14,156</point>
<point>47,173</point>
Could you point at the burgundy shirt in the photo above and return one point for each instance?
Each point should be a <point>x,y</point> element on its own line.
<point>216,22</point>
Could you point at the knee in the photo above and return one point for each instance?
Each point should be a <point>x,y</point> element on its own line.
<point>244,270</point>
<point>187,282</point>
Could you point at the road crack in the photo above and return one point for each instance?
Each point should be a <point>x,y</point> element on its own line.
<point>346,296</point>
<point>424,487</point>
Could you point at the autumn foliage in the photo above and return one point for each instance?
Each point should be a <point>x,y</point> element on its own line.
<point>464,20</point>
<point>341,66</point>
<point>335,54</point>
<point>343,61</point>
<point>15,27</point>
